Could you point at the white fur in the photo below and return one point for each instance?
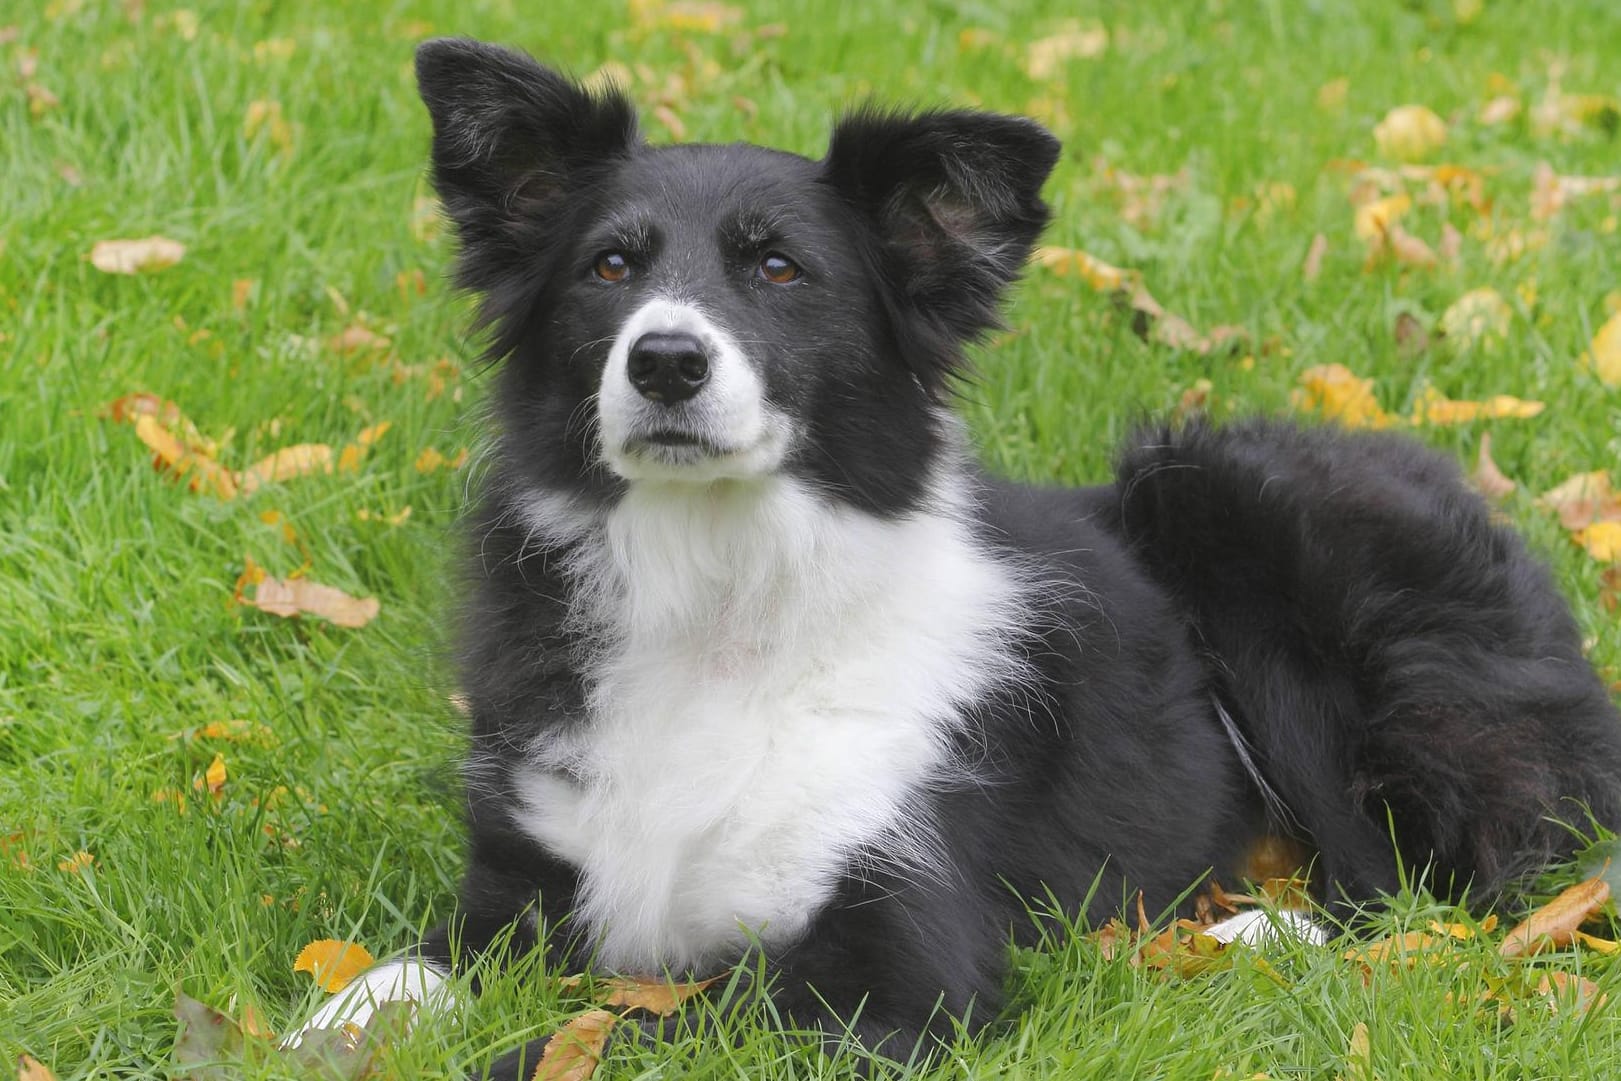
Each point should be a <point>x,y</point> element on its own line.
<point>402,980</point>
<point>1259,927</point>
<point>776,683</point>
<point>730,411</point>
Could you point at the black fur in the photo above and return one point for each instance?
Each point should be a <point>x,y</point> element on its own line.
<point>1395,660</point>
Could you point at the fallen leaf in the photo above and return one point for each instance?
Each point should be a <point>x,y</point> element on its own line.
<point>575,1051</point>
<point>1095,272</point>
<point>333,963</point>
<point>1374,218</point>
<point>265,117</point>
<point>1604,358</point>
<point>655,996</point>
<point>1333,94</point>
<point>396,519</point>
<point>30,1068</point>
<point>1435,408</point>
<point>356,338</point>
<point>1582,500</point>
<point>1489,480</point>
<point>430,460</point>
<point>1045,57</point>
<point>1463,932</point>
<point>1313,264</point>
<point>76,862</point>
<point>286,464</point>
<point>1408,249</point>
<point>1598,945</point>
<point>300,596</point>
<point>1410,132</point>
<point>209,1046</point>
<point>242,292</point>
<point>136,256</point>
<point>1503,109</point>
<point>1195,400</point>
<point>124,410</point>
<point>1609,593</point>
<point>697,16</point>
<point>1551,193</point>
<point>1358,1055</point>
<point>1404,950</point>
<point>1555,923</point>
<point>1339,394</point>
<point>215,776</point>
<point>172,455</point>
<point>1478,319</point>
<point>1411,337</point>
<point>1567,989</point>
<point>1602,541</point>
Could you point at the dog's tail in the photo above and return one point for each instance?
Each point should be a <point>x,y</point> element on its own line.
<point>1399,665</point>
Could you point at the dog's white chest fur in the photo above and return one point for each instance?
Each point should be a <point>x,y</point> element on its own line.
<point>778,679</point>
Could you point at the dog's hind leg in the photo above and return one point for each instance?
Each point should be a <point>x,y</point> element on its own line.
<point>1399,662</point>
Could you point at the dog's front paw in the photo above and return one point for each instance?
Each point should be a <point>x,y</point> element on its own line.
<point>403,980</point>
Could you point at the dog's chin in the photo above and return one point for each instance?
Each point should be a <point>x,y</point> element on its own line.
<point>681,457</point>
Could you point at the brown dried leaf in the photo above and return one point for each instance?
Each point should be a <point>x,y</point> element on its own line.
<point>1411,336</point>
<point>172,455</point>
<point>358,339</point>
<point>1313,265</point>
<point>1564,989</point>
<point>300,596</point>
<point>210,1044</point>
<point>136,256</point>
<point>1582,500</point>
<point>1488,480</point>
<point>1609,593</point>
<point>575,1051</point>
<point>1359,1056</point>
<point>1555,923</point>
<point>1337,393</point>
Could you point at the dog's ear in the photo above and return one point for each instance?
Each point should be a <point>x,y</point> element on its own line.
<point>956,201</point>
<point>511,139</point>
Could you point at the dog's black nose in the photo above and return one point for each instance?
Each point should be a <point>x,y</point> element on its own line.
<point>668,367</point>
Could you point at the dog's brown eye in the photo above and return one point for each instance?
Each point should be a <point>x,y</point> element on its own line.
<point>612,266</point>
<point>778,270</point>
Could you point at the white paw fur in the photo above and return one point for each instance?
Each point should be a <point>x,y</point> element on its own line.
<point>406,980</point>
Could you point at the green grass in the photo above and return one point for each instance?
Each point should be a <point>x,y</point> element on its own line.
<point>114,584</point>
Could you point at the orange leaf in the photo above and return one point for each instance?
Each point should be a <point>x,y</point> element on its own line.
<point>174,456</point>
<point>333,963</point>
<point>1095,272</point>
<point>1433,407</point>
<point>30,1068</point>
<point>1555,923</point>
<point>574,1052</point>
<point>1564,988</point>
<point>214,776</point>
<point>300,596</point>
<point>124,410</point>
<point>1602,541</point>
<point>357,339</point>
<point>136,256</point>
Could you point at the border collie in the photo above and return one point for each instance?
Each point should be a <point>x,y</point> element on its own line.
<point>759,658</point>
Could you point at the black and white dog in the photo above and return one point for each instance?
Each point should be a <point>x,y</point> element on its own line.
<point>758,656</point>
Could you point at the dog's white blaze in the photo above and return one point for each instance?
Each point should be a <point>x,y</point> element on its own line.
<point>730,411</point>
<point>777,682</point>
<point>407,979</point>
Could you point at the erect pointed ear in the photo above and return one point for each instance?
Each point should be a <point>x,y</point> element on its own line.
<point>510,139</point>
<point>956,199</point>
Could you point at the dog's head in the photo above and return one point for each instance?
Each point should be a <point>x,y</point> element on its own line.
<point>693,314</point>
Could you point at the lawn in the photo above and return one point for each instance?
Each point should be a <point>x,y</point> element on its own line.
<point>148,848</point>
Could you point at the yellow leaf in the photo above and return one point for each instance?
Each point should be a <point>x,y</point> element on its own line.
<point>1480,318</point>
<point>576,1049</point>
<point>1094,271</point>
<point>300,596</point>
<point>1602,541</point>
<point>136,256</point>
<point>1600,945</point>
<point>76,862</point>
<point>172,455</point>
<point>1374,219</point>
<point>1605,356</point>
<point>655,996</point>
<point>266,117</point>
<point>1410,133</point>
<point>1555,923</point>
<point>214,777</point>
<point>286,464</point>
<point>1435,408</point>
<point>1332,94</point>
<point>1046,57</point>
<point>333,963</point>
<point>1359,1056</point>
<point>1338,393</point>
<point>30,1068</point>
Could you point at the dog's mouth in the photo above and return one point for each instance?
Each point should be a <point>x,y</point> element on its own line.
<point>674,445</point>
